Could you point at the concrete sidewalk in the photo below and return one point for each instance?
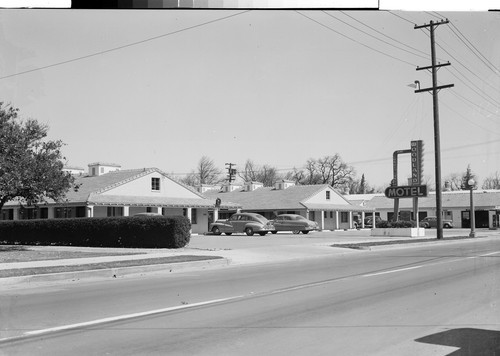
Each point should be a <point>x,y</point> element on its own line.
<point>230,250</point>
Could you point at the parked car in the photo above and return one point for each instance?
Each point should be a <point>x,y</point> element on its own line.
<point>295,223</point>
<point>431,221</point>
<point>248,223</point>
<point>369,221</point>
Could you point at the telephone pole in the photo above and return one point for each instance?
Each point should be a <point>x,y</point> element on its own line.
<point>437,144</point>
<point>230,171</point>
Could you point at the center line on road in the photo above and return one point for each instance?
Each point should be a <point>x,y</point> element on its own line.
<point>391,271</point>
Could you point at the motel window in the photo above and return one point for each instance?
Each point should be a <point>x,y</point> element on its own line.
<point>327,195</point>
<point>115,211</point>
<point>324,214</point>
<point>331,214</point>
<point>155,184</point>
<point>344,216</point>
<point>194,216</point>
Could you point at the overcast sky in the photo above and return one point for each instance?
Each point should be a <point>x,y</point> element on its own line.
<point>164,88</point>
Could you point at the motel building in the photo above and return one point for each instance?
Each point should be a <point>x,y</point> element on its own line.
<point>107,190</point>
<point>320,203</point>
<point>455,206</point>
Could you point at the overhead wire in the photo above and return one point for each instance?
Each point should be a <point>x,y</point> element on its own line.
<point>124,46</point>
<point>375,37</point>
<point>352,39</point>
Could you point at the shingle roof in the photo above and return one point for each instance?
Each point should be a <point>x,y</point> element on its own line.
<point>269,198</point>
<point>91,187</point>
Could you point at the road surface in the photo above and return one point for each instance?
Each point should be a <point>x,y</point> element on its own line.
<point>439,299</point>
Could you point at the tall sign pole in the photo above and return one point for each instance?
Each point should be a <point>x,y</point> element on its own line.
<point>437,144</point>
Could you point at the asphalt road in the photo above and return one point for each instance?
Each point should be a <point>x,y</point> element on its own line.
<point>439,300</point>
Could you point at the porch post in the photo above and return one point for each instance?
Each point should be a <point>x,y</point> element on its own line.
<point>15,214</point>
<point>216,214</point>
<point>350,220</point>
<point>362,219</point>
<point>337,226</point>
<point>322,221</point>
<point>90,211</point>
<point>159,210</point>
<point>126,210</point>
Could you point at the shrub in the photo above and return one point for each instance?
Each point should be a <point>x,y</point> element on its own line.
<point>395,224</point>
<point>135,231</point>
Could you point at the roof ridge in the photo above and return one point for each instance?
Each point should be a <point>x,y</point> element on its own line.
<point>144,172</point>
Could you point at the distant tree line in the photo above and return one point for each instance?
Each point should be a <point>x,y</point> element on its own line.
<point>330,170</point>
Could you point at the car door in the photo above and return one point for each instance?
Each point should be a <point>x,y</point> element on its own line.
<point>231,222</point>
<point>239,223</point>
<point>279,223</point>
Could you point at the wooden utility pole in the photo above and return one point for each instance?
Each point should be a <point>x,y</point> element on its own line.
<point>437,144</point>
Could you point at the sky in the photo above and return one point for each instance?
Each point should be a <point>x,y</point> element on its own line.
<point>162,88</point>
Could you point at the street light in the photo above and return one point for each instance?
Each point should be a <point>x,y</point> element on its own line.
<point>471,183</point>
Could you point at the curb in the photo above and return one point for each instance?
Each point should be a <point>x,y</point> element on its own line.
<point>112,273</point>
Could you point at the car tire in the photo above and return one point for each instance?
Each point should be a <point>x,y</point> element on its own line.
<point>296,232</point>
<point>263,233</point>
<point>228,233</point>
<point>447,226</point>
<point>216,230</point>
<point>274,232</point>
<point>305,232</point>
<point>249,231</point>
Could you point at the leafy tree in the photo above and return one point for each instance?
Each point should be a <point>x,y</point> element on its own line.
<point>468,175</point>
<point>30,167</point>
<point>492,182</point>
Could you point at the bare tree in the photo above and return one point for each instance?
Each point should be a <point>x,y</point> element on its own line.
<point>453,181</point>
<point>330,170</point>
<point>206,173</point>
<point>265,174</point>
<point>492,182</point>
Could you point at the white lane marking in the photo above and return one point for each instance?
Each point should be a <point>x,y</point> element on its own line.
<point>391,271</point>
<point>124,317</point>
<point>489,254</point>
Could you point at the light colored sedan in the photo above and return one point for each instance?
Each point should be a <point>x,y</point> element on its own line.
<point>248,223</point>
<point>295,223</point>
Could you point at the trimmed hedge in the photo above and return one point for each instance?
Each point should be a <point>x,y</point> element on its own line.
<point>134,231</point>
<point>395,224</point>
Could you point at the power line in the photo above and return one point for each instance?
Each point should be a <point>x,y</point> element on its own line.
<point>352,39</point>
<point>383,34</point>
<point>372,36</point>
<point>477,52</point>
<point>124,46</point>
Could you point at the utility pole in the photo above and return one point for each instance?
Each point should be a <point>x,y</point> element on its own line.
<point>230,171</point>
<point>437,144</point>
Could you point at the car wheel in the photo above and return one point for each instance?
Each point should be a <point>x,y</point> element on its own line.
<point>249,231</point>
<point>447,226</point>
<point>263,233</point>
<point>296,232</point>
<point>228,233</point>
<point>305,232</point>
<point>216,230</point>
<point>274,232</point>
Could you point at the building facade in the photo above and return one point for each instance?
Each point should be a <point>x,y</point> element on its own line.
<point>107,190</point>
<point>455,206</point>
<point>320,203</point>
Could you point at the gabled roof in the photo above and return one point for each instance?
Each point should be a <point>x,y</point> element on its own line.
<point>270,198</point>
<point>91,188</point>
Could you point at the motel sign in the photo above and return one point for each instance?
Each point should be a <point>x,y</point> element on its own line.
<point>406,191</point>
